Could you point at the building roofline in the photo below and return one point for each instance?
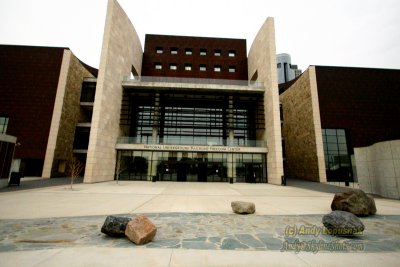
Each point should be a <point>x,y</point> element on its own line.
<point>89,68</point>
<point>351,67</point>
<point>200,37</point>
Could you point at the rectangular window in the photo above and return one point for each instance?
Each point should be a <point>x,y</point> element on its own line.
<point>159,50</point>
<point>174,50</point>
<point>337,156</point>
<point>158,66</point>
<point>203,67</point>
<point>3,125</point>
<point>88,91</point>
<point>217,68</point>
<point>279,65</point>
<point>188,67</point>
<point>188,51</point>
<point>232,69</point>
<point>217,52</point>
<point>232,53</point>
<point>203,52</point>
<point>173,67</point>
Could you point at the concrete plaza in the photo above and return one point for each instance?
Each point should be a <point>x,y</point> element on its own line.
<point>55,225</point>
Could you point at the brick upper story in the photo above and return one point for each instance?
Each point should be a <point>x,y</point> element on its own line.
<point>194,57</point>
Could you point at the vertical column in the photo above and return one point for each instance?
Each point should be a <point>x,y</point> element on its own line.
<point>231,139</point>
<point>230,121</point>
<point>156,118</point>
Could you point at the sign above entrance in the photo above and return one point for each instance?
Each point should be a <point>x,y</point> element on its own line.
<point>193,148</point>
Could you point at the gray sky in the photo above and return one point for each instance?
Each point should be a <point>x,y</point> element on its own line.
<point>357,33</point>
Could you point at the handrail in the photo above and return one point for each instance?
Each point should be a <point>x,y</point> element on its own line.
<point>203,141</point>
<point>154,79</point>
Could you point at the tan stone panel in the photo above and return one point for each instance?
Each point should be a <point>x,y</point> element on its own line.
<point>120,52</point>
<point>262,59</point>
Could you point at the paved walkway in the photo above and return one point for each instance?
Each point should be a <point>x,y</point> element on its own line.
<point>196,227</point>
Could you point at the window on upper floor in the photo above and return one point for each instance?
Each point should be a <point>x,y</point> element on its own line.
<point>217,52</point>
<point>159,50</point>
<point>158,66</point>
<point>88,91</point>
<point>203,52</point>
<point>173,67</point>
<point>188,66</point>
<point>217,68</point>
<point>3,124</point>
<point>232,69</point>
<point>232,53</point>
<point>188,51</point>
<point>279,65</point>
<point>174,50</point>
<point>203,67</point>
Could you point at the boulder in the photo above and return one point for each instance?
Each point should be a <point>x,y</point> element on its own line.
<point>115,226</point>
<point>342,223</point>
<point>242,207</point>
<point>140,230</point>
<point>354,201</point>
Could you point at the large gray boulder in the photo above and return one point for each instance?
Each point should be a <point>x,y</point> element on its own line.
<point>342,223</point>
<point>115,226</point>
<point>354,201</point>
<point>241,207</point>
<point>140,230</point>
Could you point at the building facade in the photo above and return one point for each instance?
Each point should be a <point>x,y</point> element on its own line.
<point>184,108</point>
<point>286,71</point>
<point>39,105</point>
<point>197,109</point>
<point>332,116</point>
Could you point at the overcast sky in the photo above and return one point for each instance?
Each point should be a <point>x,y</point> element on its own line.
<point>357,33</point>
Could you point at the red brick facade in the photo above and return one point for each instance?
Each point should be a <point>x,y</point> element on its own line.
<point>28,80</point>
<point>202,54</point>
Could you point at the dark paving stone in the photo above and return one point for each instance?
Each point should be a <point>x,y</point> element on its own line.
<point>230,243</point>
<point>198,245</point>
<point>249,241</point>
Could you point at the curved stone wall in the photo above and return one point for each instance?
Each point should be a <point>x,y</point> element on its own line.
<point>121,54</point>
<point>262,65</point>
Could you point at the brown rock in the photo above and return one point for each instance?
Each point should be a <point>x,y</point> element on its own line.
<point>140,230</point>
<point>242,207</point>
<point>354,201</point>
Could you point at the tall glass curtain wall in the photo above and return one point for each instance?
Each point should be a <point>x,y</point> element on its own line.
<point>193,119</point>
<point>191,166</point>
<point>337,156</point>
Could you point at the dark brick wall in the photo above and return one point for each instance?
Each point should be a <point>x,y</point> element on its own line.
<point>364,101</point>
<point>28,85</point>
<point>150,57</point>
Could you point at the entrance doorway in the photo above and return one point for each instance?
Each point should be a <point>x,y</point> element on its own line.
<point>186,166</point>
<point>254,173</point>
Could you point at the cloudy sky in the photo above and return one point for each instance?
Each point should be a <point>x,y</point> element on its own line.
<point>359,33</point>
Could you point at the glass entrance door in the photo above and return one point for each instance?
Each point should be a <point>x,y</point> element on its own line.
<point>253,172</point>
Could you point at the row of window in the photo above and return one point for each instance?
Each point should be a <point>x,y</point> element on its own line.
<point>189,51</point>
<point>189,67</point>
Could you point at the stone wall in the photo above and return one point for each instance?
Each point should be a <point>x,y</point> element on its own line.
<point>262,67</point>
<point>121,54</point>
<point>378,168</point>
<point>302,130</point>
<point>66,114</point>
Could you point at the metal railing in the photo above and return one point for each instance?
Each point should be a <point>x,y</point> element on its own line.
<point>184,140</point>
<point>154,79</point>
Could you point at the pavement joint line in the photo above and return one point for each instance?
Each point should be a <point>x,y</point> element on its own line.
<point>144,203</point>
